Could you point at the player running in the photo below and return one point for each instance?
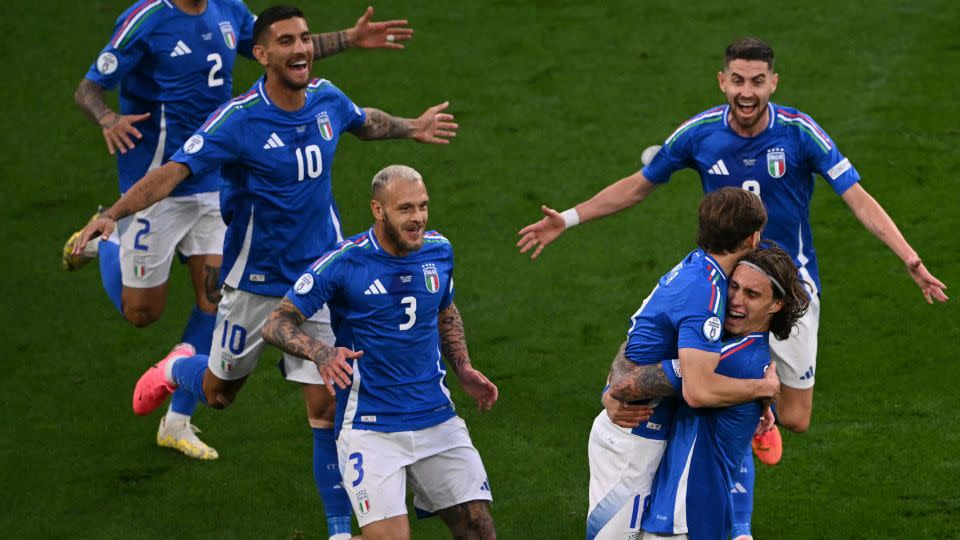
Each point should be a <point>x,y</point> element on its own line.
<point>275,145</point>
<point>172,63</point>
<point>680,319</point>
<point>390,292</point>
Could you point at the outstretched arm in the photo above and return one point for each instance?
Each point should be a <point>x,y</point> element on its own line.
<point>118,131</point>
<point>453,345</point>
<point>630,381</point>
<point>282,329</point>
<point>433,126</point>
<point>154,186</point>
<point>364,34</point>
<point>878,222</point>
<point>618,196</point>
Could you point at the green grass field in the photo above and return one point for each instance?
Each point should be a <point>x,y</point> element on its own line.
<point>555,100</point>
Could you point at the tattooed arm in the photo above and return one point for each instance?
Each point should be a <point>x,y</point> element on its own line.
<point>453,345</point>
<point>364,34</point>
<point>118,131</point>
<point>633,382</point>
<point>282,329</point>
<point>433,126</point>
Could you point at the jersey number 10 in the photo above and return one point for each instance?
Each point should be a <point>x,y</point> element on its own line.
<point>314,162</point>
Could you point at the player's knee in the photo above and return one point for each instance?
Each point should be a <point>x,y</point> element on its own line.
<point>473,521</point>
<point>796,424</point>
<point>141,316</point>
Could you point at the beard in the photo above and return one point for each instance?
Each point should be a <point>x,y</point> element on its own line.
<point>396,236</point>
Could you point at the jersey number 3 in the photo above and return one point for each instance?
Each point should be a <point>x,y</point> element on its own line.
<point>410,311</point>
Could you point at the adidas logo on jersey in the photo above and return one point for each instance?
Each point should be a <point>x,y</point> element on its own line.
<point>273,142</point>
<point>808,375</point>
<point>375,288</point>
<point>719,168</point>
<point>180,49</point>
<point>738,487</point>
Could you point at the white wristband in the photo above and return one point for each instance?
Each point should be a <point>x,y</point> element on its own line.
<point>570,218</point>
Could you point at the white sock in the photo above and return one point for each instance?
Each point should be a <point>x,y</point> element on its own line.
<point>177,417</point>
<point>341,536</point>
<point>168,372</point>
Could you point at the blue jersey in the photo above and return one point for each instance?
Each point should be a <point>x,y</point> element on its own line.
<point>684,311</point>
<point>778,165</point>
<point>387,307</point>
<point>691,491</point>
<point>276,199</point>
<point>177,67</point>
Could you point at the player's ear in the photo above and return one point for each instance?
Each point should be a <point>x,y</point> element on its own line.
<point>777,306</point>
<point>260,54</point>
<point>377,209</point>
<point>721,81</point>
<point>774,80</point>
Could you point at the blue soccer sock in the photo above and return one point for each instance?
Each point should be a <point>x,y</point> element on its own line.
<point>326,473</point>
<point>199,330</point>
<point>183,402</point>
<point>743,482</point>
<point>109,254</point>
<point>188,374</point>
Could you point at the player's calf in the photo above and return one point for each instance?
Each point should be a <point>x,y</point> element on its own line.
<point>469,521</point>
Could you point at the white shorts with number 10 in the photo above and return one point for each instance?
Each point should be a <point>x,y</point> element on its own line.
<point>440,462</point>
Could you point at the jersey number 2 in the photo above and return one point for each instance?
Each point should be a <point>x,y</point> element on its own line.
<point>212,79</point>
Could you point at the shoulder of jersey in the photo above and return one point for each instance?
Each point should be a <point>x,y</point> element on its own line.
<point>138,20</point>
<point>435,241</point>
<point>317,85</point>
<point>351,248</point>
<point>242,103</point>
<point>710,118</point>
<point>803,123</point>
<point>748,344</point>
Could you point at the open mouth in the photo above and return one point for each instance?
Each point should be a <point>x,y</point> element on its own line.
<point>747,108</point>
<point>736,315</point>
<point>298,66</point>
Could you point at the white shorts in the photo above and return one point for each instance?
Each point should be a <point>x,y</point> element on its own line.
<point>796,357</point>
<point>441,463</point>
<point>149,239</point>
<point>655,536</point>
<point>622,467</point>
<point>237,342</point>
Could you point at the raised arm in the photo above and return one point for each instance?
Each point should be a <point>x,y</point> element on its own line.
<point>618,196</point>
<point>118,131</point>
<point>703,387</point>
<point>364,34</point>
<point>433,126</point>
<point>283,330</point>
<point>630,381</point>
<point>878,222</point>
<point>154,186</point>
<point>453,345</point>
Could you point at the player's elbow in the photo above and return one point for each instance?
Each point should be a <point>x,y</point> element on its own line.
<point>694,397</point>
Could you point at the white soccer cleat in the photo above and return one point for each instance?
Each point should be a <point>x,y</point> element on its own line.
<point>182,437</point>
<point>71,262</point>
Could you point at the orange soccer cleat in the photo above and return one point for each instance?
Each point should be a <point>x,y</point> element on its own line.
<point>769,447</point>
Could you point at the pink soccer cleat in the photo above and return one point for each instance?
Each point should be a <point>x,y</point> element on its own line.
<point>152,389</point>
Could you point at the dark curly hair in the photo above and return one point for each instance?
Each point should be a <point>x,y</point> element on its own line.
<point>780,267</point>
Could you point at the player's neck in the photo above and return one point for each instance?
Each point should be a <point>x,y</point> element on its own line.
<point>191,7</point>
<point>284,97</point>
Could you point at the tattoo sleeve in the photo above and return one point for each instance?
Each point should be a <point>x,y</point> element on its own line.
<point>453,341</point>
<point>89,96</point>
<point>283,330</point>
<point>211,280</point>
<point>633,382</point>
<point>380,125</point>
<point>330,43</point>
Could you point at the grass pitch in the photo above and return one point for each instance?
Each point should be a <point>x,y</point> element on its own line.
<point>555,100</point>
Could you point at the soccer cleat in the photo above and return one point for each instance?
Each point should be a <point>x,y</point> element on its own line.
<point>181,436</point>
<point>769,447</point>
<point>71,262</point>
<point>744,537</point>
<point>152,389</point>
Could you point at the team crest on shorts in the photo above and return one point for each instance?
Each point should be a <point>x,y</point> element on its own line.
<point>323,122</point>
<point>776,162</point>
<point>431,277</point>
<point>140,266</point>
<point>363,502</point>
<point>226,29</point>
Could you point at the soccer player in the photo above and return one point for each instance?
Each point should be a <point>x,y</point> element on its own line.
<point>680,319</point>
<point>692,494</point>
<point>275,145</point>
<point>390,293</point>
<point>774,152</point>
<point>173,62</point>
